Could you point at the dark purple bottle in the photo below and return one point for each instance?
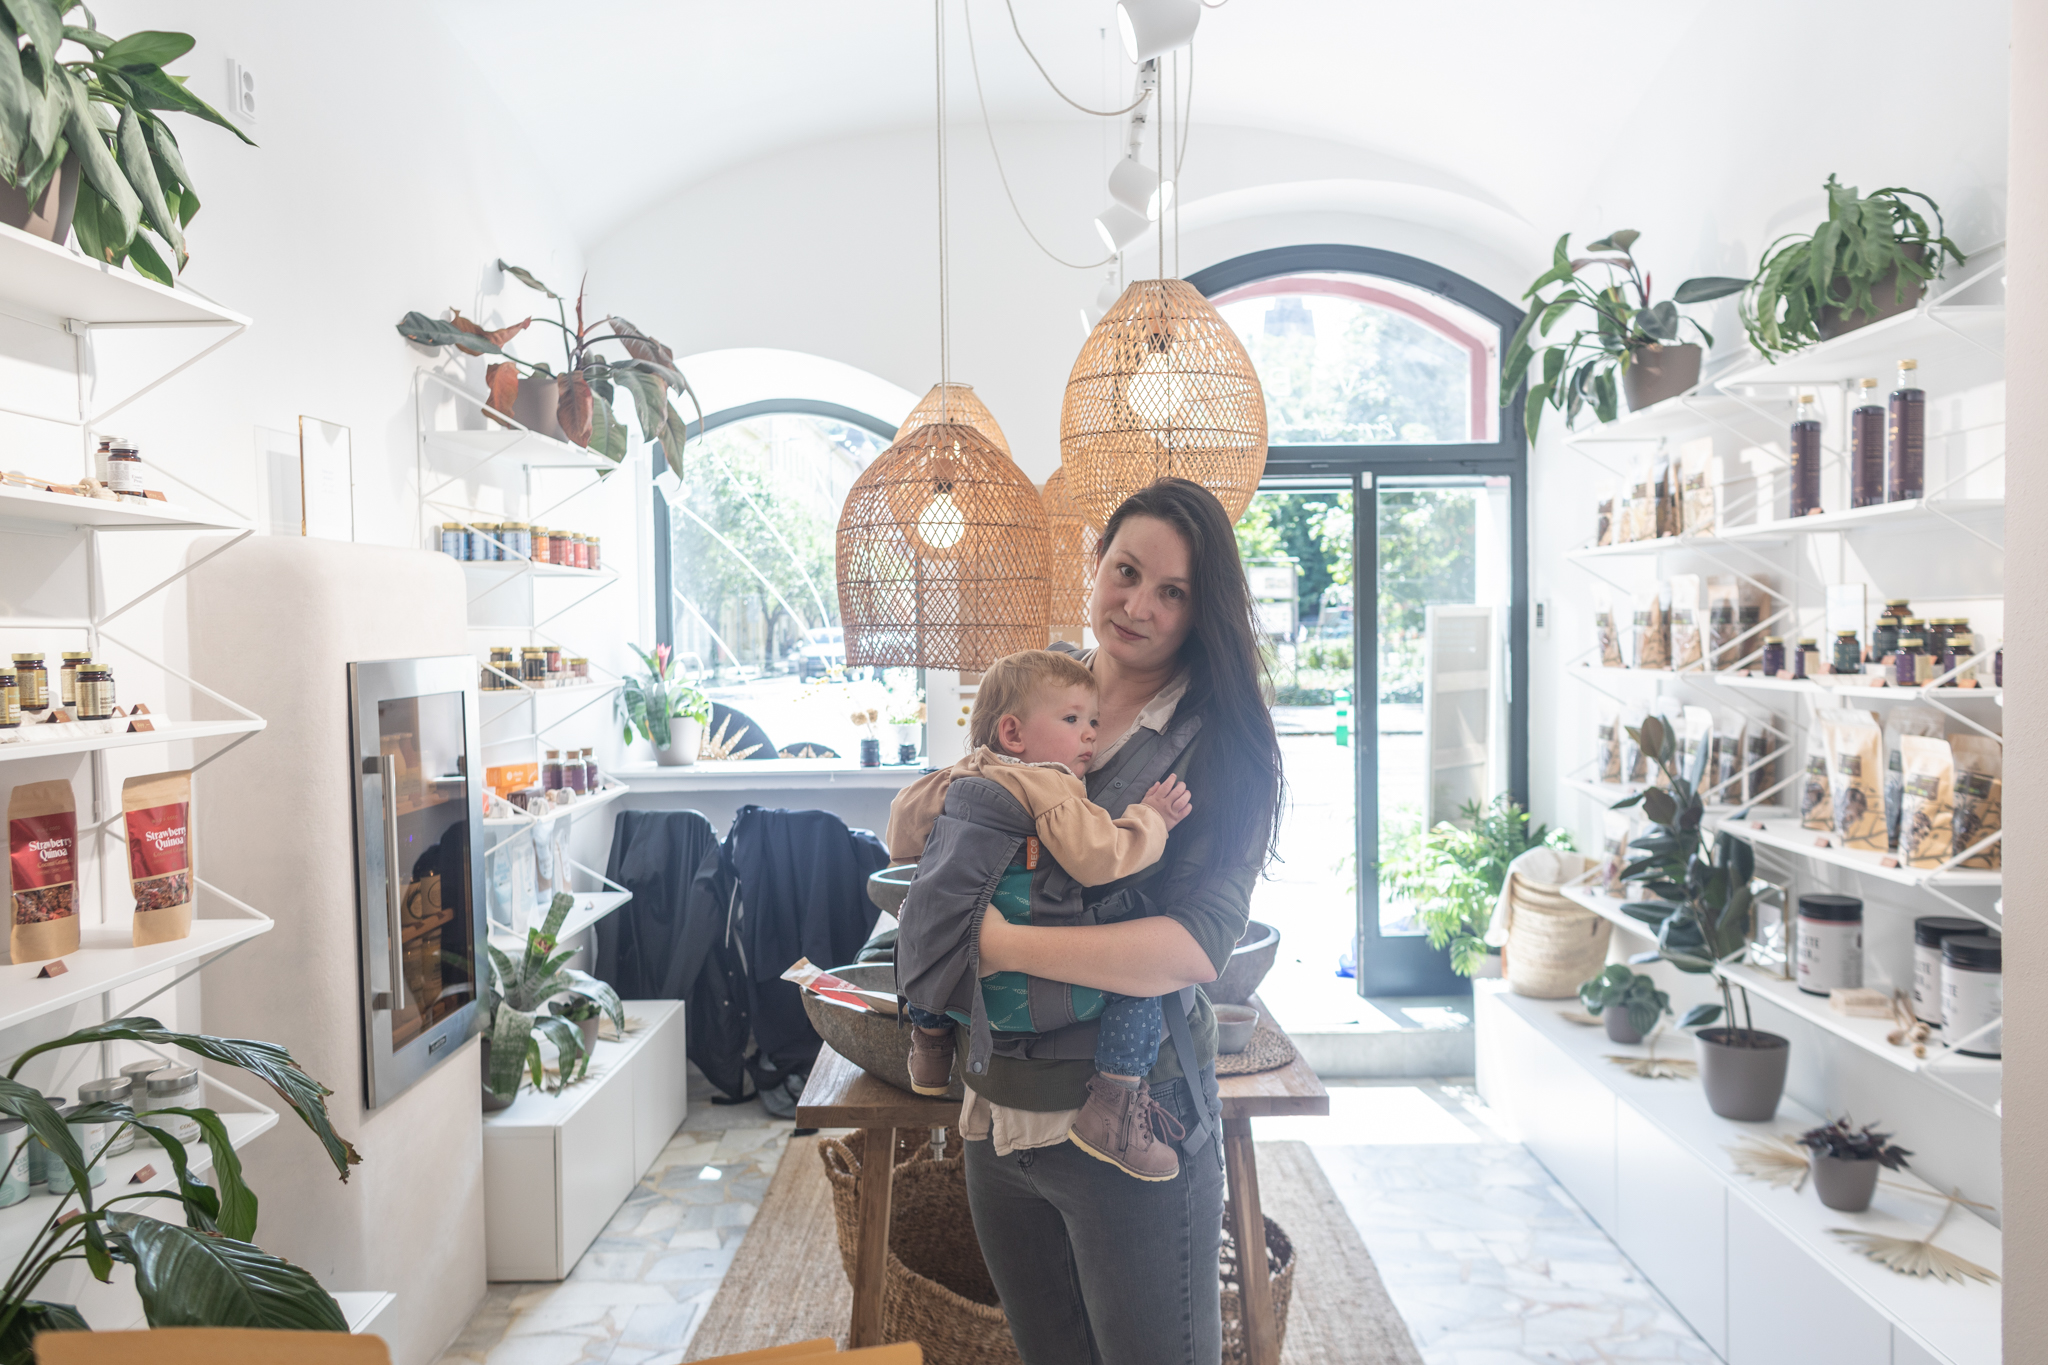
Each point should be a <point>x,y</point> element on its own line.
<point>1806,457</point>
<point>1866,449</point>
<point>1906,443</point>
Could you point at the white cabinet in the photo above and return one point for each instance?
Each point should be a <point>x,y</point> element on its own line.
<point>557,1167</point>
<point>1785,1308</point>
<point>1671,1219</point>
<point>1566,1116</point>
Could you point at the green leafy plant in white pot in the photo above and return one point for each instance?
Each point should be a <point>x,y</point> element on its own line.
<point>667,711</point>
<point>1454,876</point>
<point>516,1014</point>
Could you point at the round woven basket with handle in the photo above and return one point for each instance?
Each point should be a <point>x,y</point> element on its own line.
<point>1554,943</point>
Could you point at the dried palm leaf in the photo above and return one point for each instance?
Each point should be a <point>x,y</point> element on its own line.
<point>1578,1017</point>
<point>1919,1257</point>
<point>1778,1160</point>
<point>1655,1068</point>
<point>719,745</point>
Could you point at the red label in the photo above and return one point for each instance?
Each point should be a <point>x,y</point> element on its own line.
<point>1031,854</point>
<point>156,841</point>
<point>42,846</point>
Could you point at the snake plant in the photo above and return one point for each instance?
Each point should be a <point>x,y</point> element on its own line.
<point>104,110</point>
<point>205,1272</point>
<point>515,1007</point>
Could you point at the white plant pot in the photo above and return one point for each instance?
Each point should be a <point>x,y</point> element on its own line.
<point>907,734</point>
<point>686,737</point>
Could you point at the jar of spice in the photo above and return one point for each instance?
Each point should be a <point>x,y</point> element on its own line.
<point>1910,666</point>
<point>124,469</point>
<point>1830,943</point>
<point>1774,655</point>
<point>10,701</point>
<point>554,658</point>
<point>32,677</point>
<point>1973,994</point>
<point>99,459</point>
<point>1806,659</point>
<point>173,1087</point>
<point>579,668</point>
<point>519,540</point>
<point>67,676</point>
<point>95,691</point>
<point>591,781</point>
<point>543,545</point>
<point>1928,934</point>
<point>13,1161</point>
<point>591,554</point>
<point>1956,661</point>
<point>1848,652</point>
<point>1884,638</point>
<point>573,776</point>
<point>112,1090</point>
<point>451,539</point>
<point>533,664</point>
<point>504,669</point>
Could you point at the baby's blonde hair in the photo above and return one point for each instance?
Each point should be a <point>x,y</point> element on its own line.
<point>1013,685</point>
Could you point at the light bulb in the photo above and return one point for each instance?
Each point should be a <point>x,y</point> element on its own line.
<point>940,524</point>
<point>1158,391</point>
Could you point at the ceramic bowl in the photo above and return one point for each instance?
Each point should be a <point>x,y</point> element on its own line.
<point>877,1045</point>
<point>1248,965</point>
<point>1234,1027</point>
<point>888,887</point>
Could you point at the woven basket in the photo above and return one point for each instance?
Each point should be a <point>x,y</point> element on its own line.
<point>1554,943</point>
<point>937,1290</point>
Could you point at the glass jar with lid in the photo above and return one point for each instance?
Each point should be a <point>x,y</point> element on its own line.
<point>1848,653</point>
<point>95,691</point>
<point>1910,666</point>
<point>67,676</point>
<point>1956,661</point>
<point>10,701</point>
<point>591,555</point>
<point>551,771</point>
<point>112,1090</point>
<point>533,664</point>
<point>1806,658</point>
<point>32,677</point>
<point>1884,637</point>
<point>124,469</point>
<point>173,1087</point>
<point>1774,655</point>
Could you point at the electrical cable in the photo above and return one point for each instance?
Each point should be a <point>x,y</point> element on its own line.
<point>945,341</point>
<point>1097,113</point>
<point>974,61</point>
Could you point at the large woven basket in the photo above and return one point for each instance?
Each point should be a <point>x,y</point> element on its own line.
<point>1554,943</point>
<point>937,1290</point>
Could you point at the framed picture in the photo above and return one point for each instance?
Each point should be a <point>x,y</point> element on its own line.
<point>327,484</point>
<point>1771,937</point>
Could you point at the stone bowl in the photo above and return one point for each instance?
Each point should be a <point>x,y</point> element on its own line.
<point>1248,965</point>
<point>1235,1025</point>
<point>888,887</point>
<point>877,1045</point>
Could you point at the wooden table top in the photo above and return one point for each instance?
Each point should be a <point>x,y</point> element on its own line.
<point>841,1095</point>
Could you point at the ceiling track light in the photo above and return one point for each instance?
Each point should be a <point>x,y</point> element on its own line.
<point>1138,188</point>
<point>1119,226</point>
<point>1151,28</point>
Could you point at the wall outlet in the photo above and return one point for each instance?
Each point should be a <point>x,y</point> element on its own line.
<point>241,92</point>
<point>1542,621</point>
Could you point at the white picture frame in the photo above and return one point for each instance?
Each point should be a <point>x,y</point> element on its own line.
<point>327,501</point>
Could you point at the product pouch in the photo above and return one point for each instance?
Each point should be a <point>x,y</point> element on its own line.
<point>1615,827</point>
<point>156,812</point>
<point>1651,637</point>
<point>1760,768</point>
<point>1609,630</point>
<point>1724,781</point>
<point>1642,502</point>
<point>1634,762</point>
<point>1816,811</point>
<point>1721,627</point>
<point>1695,490</point>
<point>1855,751</point>
<point>1607,746</point>
<point>1898,723</point>
<point>1687,622</point>
<point>1695,743</point>
<point>1667,497</point>
<point>42,843</point>
<point>1605,533</point>
<point>1752,604</point>
<point>1979,796</point>
<point>1926,801</point>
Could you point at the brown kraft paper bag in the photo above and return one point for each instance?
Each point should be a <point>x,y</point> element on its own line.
<point>1856,777</point>
<point>1979,797</point>
<point>157,812</point>
<point>42,843</point>
<point>1927,803</point>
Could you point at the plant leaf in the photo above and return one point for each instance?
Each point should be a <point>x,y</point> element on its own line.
<point>510,1029</point>
<point>96,163</point>
<point>502,382</point>
<point>572,407</point>
<point>148,48</point>
<point>18,1337</point>
<point>140,168</point>
<point>1699,1016</point>
<point>188,1278</point>
<point>1705,288</point>
<point>154,89</point>
<point>569,1054</point>
<point>44,25</point>
<point>267,1062</point>
<point>418,327</point>
<point>496,338</point>
<point>526,278</point>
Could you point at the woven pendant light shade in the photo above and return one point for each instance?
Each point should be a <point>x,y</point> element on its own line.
<point>955,403</point>
<point>943,555</point>
<point>1162,389</point>
<point>1072,567</point>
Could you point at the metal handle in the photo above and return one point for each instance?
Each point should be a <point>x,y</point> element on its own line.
<point>385,768</point>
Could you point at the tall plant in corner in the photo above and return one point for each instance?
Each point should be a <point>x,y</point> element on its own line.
<point>204,1272</point>
<point>100,113</point>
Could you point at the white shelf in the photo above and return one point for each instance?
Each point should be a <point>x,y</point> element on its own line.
<point>1696,410</point>
<point>583,805</point>
<point>66,509</point>
<point>1851,693</point>
<point>593,688</point>
<point>362,1307</point>
<point>19,1223</point>
<point>1589,672</point>
<point>106,959</point>
<point>1668,544</point>
<point>1943,338</point>
<point>1959,1323</point>
<point>1790,836</point>
<point>166,732</point>
<point>1912,514</point>
<point>522,447</point>
<point>1759,682</point>
<point>1867,1034</point>
<point>590,907</point>
<point>50,281</point>
<point>1610,792</point>
<point>499,568</point>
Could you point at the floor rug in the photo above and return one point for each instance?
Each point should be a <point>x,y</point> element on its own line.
<point>786,1283</point>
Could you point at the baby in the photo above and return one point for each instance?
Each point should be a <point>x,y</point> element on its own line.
<point>1034,731</point>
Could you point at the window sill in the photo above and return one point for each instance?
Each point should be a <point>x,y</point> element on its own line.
<point>770,775</point>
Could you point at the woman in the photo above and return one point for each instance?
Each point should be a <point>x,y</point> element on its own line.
<point>1092,1265</point>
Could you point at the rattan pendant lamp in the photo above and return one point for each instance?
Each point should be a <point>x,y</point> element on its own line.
<point>1072,565</point>
<point>942,547</point>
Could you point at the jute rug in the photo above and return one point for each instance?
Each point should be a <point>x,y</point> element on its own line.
<point>786,1284</point>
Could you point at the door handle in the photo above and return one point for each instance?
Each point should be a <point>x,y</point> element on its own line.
<point>384,767</point>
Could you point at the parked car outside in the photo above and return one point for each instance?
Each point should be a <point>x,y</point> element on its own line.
<point>823,650</point>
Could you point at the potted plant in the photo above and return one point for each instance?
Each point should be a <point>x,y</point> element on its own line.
<point>1626,332</point>
<point>1454,876</point>
<point>1846,1161</point>
<point>514,1000</point>
<point>905,712</point>
<point>578,403</point>
<point>1872,258</point>
<point>1628,1002</point>
<point>85,145</point>
<point>584,1014</point>
<point>668,711</point>
<point>201,1272</point>
<point>1700,912</point>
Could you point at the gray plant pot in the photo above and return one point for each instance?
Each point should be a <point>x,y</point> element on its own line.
<point>1249,962</point>
<point>1845,1185</point>
<point>1743,1082</point>
<point>1619,1029</point>
<point>1884,301</point>
<point>493,1101</point>
<point>50,216</point>
<point>588,1028</point>
<point>536,406</point>
<point>1656,373</point>
<point>888,887</point>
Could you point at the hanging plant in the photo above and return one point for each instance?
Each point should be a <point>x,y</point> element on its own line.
<point>589,383</point>
<point>1871,257</point>
<point>102,115</point>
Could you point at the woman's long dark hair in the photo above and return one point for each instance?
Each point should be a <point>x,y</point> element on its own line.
<point>1236,780</point>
